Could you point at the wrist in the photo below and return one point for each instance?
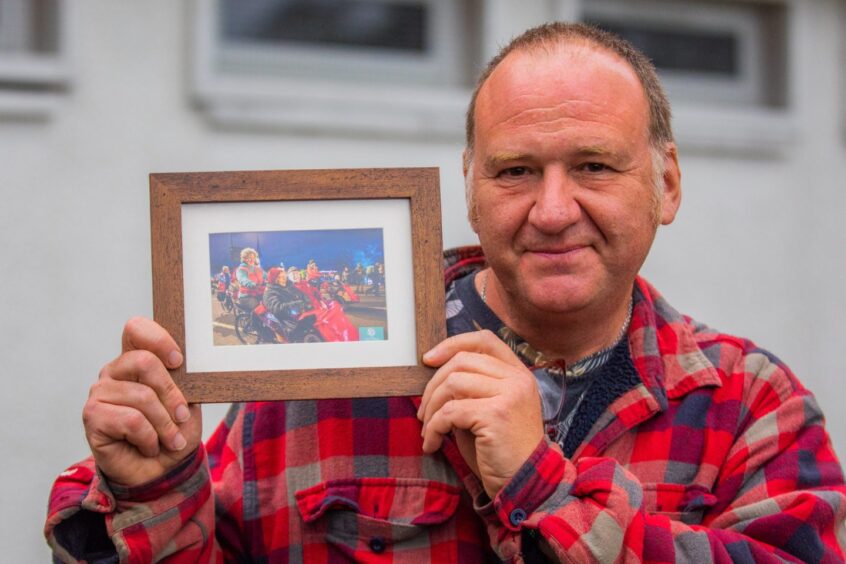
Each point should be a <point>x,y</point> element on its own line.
<point>155,487</point>
<point>541,475</point>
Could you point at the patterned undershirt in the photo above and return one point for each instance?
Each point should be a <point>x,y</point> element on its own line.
<point>572,397</point>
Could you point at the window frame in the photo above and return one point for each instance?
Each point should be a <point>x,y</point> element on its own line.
<point>320,105</point>
<point>323,102</point>
<point>746,89</point>
<point>321,61</point>
<point>757,130</point>
<point>32,81</point>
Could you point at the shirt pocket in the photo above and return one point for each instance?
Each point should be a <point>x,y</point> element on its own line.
<point>376,515</point>
<point>679,502</point>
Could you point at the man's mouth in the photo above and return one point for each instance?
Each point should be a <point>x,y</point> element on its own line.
<point>557,251</point>
<point>558,257</point>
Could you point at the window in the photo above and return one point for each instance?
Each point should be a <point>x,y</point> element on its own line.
<point>406,67</point>
<point>715,52</point>
<point>723,64</point>
<point>345,39</point>
<point>32,61</point>
<point>401,66</point>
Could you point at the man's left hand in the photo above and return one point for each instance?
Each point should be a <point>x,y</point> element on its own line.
<point>489,399</point>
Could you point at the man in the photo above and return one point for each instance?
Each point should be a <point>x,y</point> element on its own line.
<point>222,279</point>
<point>358,277</point>
<point>588,421</point>
<point>312,272</point>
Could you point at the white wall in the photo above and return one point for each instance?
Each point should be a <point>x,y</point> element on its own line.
<point>757,249</point>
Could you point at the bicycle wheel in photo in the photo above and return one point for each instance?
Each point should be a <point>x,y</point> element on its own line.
<point>245,330</point>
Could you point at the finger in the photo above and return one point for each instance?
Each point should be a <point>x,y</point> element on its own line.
<point>141,333</point>
<point>454,414</point>
<point>484,342</point>
<point>145,401</point>
<point>145,368</point>
<point>107,424</point>
<point>464,361</point>
<point>460,385</point>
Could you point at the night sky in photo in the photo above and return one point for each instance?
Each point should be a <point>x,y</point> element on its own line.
<point>331,248</point>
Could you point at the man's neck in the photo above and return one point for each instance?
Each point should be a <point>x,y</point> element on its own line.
<point>571,336</point>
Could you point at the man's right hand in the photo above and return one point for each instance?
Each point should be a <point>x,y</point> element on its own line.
<point>137,421</point>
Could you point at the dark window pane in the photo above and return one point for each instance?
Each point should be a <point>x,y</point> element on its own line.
<point>712,52</point>
<point>342,23</point>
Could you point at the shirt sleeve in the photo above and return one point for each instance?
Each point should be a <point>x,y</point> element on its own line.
<point>171,519</point>
<point>779,496</point>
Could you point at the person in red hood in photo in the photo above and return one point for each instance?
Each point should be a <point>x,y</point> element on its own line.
<point>283,299</point>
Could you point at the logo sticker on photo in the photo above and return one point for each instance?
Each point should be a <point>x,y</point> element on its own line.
<point>371,333</point>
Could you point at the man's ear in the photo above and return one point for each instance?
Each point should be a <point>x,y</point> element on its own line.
<point>671,197</point>
<point>467,169</point>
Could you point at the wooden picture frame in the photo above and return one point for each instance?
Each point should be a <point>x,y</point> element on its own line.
<point>191,211</point>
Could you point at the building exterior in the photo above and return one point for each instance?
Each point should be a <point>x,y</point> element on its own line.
<point>96,94</point>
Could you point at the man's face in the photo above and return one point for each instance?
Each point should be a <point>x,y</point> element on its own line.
<point>562,178</point>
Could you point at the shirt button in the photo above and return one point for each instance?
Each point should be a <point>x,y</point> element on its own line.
<point>517,516</point>
<point>377,545</point>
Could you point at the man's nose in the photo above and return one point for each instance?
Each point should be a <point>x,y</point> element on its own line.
<point>555,207</point>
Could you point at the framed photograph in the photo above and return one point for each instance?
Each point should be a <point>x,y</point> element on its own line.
<point>299,284</point>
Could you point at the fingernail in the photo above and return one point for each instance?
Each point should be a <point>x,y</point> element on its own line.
<point>179,442</point>
<point>174,359</point>
<point>182,414</point>
<point>428,355</point>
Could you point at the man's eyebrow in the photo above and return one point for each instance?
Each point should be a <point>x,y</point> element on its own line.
<point>498,159</point>
<point>592,150</point>
<point>492,161</point>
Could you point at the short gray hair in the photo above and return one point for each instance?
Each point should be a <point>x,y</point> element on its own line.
<point>550,34</point>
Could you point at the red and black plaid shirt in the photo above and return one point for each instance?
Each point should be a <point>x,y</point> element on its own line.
<point>718,454</point>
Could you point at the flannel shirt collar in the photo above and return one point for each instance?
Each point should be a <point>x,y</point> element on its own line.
<point>662,341</point>
<point>664,348</point>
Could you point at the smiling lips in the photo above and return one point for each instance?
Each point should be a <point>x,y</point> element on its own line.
<point>553,253</point>
<point>558,257</point>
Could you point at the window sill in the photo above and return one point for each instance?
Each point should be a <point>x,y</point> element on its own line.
<point>31,86</point>
<point>335,107</point>
<point>748,131</point>
<point>431,113</point>
<point>26,106</point>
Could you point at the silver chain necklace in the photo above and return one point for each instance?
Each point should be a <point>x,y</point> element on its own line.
<point>484,293</point>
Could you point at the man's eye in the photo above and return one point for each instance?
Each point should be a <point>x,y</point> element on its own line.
<point>595,167</point>
<point>514,172</point>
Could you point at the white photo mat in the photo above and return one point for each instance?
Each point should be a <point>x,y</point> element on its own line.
<point>393,216</point>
